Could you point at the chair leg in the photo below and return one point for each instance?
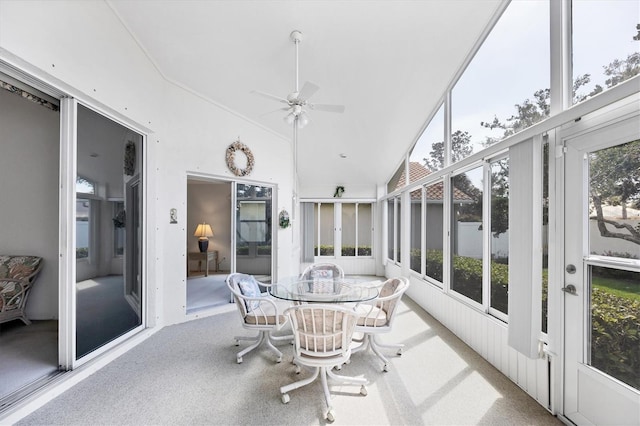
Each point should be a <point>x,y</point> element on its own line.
<point>366,342</point>
<point>258,341</point>
<point>272,347</point>
<point>375,347</point>
<point>263,336</point>
<point>300,383</point>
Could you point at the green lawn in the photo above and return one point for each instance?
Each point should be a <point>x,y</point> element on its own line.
<point>629,289</point>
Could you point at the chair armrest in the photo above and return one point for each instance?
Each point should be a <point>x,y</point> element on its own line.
<point>12,292</point>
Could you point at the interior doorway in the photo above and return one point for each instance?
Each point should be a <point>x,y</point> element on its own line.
<point>29,172</point>
<point>208,219</point>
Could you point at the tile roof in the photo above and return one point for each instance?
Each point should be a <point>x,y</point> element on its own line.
<point>435,191</point>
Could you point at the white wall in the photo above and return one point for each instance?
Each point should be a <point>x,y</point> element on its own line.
<point>29,150</point>
<point>82,48</point>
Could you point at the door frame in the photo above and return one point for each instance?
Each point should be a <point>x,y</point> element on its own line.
<point>613,118</point>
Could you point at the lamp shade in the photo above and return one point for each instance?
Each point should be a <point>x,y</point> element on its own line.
<point>203,231</point>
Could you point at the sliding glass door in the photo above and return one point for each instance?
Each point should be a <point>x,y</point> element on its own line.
<point>253,211</point>
<point>108,231</point>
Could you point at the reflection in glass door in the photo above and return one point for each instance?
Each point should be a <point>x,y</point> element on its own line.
<point>108,231</point>
<point>253,242</point>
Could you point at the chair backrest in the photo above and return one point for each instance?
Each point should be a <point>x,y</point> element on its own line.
<point>244,285</point>
<point>322,270</point>
<point>322,330</point>
<point>20,267</point>
<point>387,301</point>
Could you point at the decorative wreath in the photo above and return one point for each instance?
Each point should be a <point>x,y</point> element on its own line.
<point>231,160</point>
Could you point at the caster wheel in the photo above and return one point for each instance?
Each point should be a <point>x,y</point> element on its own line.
<point>237,343</point>
<point>338,367</point>
<point>399,351</point>
<point>363,391</point>
<point>285,398</point>
<point>239,360</point>
<point>385,368</point>
<point>279,360</point>
<point>347,362</point>
<point>297,369</point>
<point>331,416</point>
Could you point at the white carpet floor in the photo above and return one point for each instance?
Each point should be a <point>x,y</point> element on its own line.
<point>187,374</point>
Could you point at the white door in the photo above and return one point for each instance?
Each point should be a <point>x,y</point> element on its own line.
<point>602,276</point>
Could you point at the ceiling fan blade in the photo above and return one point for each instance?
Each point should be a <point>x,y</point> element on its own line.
<point>307,91</point>
<point>327,108</point>
<point>269,96</point>
<point>272,111</point>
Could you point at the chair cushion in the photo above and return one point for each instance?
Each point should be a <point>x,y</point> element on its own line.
<point>254,318</point>
<point>371,316</point>
<point>322,281</point>
<point>249,287</point>
<point>18,267</point>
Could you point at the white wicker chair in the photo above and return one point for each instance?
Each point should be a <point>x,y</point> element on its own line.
<point>377,317</point>
<point>322,339</point>
<point>258,311</point>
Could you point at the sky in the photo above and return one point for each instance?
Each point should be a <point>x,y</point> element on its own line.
<point>513,62</point>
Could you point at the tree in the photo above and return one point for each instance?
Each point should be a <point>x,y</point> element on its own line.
<point>615,180</point>
<point>460,148</point>
<point>615,172</point>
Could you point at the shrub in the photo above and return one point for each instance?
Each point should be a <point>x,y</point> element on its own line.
<point>615,336</point>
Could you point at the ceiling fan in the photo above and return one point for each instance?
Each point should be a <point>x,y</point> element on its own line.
<point>298,101</point>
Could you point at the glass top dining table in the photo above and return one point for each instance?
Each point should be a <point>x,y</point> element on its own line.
<point>326,290</point>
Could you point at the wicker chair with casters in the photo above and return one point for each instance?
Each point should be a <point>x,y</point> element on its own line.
<point>258,311</point>
<point>376,317</point>
<point>322,339</point>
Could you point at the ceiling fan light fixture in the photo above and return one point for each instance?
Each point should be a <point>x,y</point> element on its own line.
<point>303,120</point>
<point>289,118</point>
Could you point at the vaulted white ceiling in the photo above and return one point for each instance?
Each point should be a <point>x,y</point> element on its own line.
<point>388,62</point>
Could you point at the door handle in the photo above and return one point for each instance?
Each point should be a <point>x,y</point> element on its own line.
<point>571,289</point>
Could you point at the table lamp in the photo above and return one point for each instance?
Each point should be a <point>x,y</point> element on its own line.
<point>203,232</point>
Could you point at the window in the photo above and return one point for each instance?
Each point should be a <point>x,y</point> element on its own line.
<point>364,214</point>
<point>391,220</point>
<point>603,58</point>
<point>353,235</point>
<point>434,231</point>
<point>86,191</point>
<point>499,266</point>
<point>356,228</point>
<point>429,149</point>
<point>324,237</point>
<point>511,68</point>
<point>466,234</point>
<point>415,243</point>
<point>83,228</point>
<point>119,221</point>
<point>349,229</point>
